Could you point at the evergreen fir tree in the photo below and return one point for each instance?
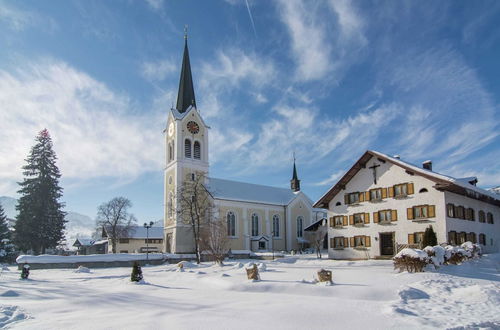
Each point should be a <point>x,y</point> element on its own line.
<point>40,221</point>
<point>430,238</point>
<point>6,246</point>
<point>136,275</point>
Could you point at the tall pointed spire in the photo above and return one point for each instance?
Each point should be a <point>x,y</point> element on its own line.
<point>295,182</point>
<point>185,98</point>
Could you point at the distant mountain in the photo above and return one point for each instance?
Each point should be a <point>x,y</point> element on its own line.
<point>496,190</point>
<point>78,225</point>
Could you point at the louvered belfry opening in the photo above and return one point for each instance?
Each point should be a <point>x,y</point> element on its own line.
<point>197,150</point>
<point>187,148</point>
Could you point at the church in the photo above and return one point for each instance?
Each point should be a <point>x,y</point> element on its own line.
<point>258,217</point>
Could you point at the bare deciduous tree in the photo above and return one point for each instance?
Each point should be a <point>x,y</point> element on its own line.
<point>317,237</point>
<point>195,208</point>
<point>215,241</point>
<point>113,217</point>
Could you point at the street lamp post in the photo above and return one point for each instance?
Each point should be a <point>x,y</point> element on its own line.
<point>147,238</point>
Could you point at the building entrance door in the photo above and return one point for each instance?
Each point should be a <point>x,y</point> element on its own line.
<point>386,244</point>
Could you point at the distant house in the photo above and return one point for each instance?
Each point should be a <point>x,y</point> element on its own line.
<point>90,246</point>
<point>138,240</point>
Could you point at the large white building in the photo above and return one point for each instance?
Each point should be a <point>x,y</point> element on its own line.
<point>258,217</point>
<point>383,203</point>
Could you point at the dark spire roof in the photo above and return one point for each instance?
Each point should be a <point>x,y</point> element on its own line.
<point>185,98</point>
<point>295,182</point>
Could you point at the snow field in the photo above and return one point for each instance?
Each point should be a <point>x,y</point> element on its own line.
<point>365,294</point>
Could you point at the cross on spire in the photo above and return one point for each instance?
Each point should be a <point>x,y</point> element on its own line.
<point>374,168</point>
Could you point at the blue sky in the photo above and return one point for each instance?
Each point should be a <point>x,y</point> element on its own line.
<point>326,79</point>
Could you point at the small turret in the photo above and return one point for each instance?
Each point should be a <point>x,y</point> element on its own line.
<point>295,182</point>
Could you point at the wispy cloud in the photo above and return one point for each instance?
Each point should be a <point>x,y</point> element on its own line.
<point>158,70</point>
<point>15,18</point>
<point>155,4</point>
<point>94,129</point>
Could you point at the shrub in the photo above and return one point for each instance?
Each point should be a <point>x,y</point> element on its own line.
<point>136,275</point>
<point>472,250</point>
<point>411,260</point>
<point>429,238</point>
<point>436,255</point>
<point>455,255</point>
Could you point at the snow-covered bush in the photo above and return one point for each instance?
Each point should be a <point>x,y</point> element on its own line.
<point>411,260</point>
<point>455,255</point>
<point>472,250</point>
<point>436,255</point>
<point>82,269</point>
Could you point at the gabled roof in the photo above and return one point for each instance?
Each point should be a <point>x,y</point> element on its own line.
<point>249,192</point>
<point>315,225</point>
<point>179,116</point>
<point>139,232</point>
<point>443,182</point>
<point>84,241</point>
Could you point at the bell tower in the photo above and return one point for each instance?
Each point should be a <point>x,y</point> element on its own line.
<point>295,182</point>
<point>186,141</point>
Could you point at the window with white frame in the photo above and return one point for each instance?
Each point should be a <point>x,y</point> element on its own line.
<point>338,242</point>
<point>385,215</point>
<point>359,241</point>
<point>187,148</point>
<point>401,189</point>
<point>376,194</point>
<point>353,198</point>
<point>300,223</point>
<point>338,221</point>
<point>359,218</point>
<point>255,224</point>
<point>276,225</point>
<point>420,211</point>
<point>231,224</point>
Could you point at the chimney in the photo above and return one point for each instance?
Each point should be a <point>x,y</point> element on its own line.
<point>427,165</point>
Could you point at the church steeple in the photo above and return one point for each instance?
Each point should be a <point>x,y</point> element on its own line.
<point>295,182</point>
<point>185,98</point>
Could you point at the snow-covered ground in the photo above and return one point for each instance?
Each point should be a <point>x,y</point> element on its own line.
<point>365,295</point>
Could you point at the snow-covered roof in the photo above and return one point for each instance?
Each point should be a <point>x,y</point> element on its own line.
<point>84,241</point>
<point>140,232</point>
<point>444,182</point>
<point>249,192</point>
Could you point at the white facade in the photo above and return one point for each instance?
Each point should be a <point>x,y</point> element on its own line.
<point>422,198</point>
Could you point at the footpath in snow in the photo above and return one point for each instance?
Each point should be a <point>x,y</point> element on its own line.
<point>365,294</point>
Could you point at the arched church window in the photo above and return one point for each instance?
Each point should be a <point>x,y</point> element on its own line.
<point>231,224</point>
<point>276,225</point>
<point>300,224</point>
<point>187,148</point>
<point>170,205</point>
<point>171,151</point>
<point>197,150</point>
<point>255,225</point>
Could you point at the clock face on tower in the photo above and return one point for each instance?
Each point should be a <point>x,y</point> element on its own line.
<point>193,127</point>
<point>171,129</point>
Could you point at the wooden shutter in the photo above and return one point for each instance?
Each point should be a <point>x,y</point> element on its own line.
<point>351,240</point>
<point>332,242</point>
<point>368,241</point>
<point>351,219</point>
<point>394,215</point>
<point>410,189</point>
<point>409,213</point>
<point>367,195</point>
<point>367,218</point>
<point>331,221</point>
<point>344,220</point>
<point>391,191</point>
<point>346,242</point>
<point>432,211</point>
<point>361,196</point>
<point>411,239</point>
<point>346,199</point>
<point>384,192</point>
<point>375,217</point>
